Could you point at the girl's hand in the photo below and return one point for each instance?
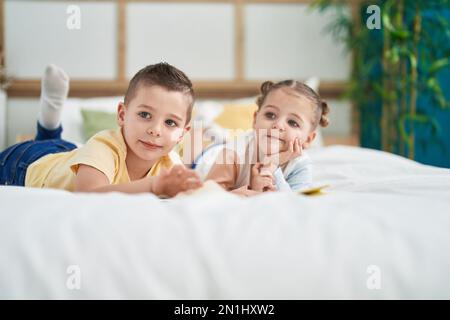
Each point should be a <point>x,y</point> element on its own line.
<point>293,151</point>
<point>178,179</point>
<point>268,167</point>
<point>259,182</point>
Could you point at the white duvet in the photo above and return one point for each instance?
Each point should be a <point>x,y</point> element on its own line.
<point>381,232</point>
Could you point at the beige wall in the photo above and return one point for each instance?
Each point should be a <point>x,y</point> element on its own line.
<point>280,41</point>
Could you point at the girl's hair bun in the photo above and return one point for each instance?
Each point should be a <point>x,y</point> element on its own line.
<point>324,120</point>
<point>266,86</point>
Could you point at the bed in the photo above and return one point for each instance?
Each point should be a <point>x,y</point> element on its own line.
<point>381,231</point>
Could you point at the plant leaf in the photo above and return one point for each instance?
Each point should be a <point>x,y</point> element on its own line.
<point>438,65</point>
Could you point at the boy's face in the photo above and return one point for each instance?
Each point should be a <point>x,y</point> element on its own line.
<point>284,116</point>
<point>154,121</point>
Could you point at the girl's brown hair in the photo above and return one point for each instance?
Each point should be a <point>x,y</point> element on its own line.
<point>321,108</point>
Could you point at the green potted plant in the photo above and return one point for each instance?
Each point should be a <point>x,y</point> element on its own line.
<point>398,82</point>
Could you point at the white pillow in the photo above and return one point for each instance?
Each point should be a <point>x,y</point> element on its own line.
<point>72,120</point>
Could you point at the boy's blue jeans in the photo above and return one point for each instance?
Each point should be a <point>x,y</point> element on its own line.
<point>15,160</point>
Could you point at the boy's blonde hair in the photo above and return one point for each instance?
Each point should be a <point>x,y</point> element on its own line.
<point>321,108</point>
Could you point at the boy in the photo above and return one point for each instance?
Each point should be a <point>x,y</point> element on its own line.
<point>135,158</point>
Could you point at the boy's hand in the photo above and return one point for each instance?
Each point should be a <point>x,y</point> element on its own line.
<point>177,179</point>
<point>259,182</point>
<point>293,151</point>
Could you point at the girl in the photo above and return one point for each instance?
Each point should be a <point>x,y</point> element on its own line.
<point>272,156</point>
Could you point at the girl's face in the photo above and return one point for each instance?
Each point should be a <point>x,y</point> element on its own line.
<point>284,116</point>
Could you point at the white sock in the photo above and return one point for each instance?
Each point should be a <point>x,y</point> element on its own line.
<point>54,90</point>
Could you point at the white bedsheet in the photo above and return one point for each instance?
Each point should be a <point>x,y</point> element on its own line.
<point>382,211</point>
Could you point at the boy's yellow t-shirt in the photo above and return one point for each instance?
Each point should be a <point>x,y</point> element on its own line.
<point>105,151</point>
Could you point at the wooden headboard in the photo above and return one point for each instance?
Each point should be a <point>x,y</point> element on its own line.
<point>237,87</point>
